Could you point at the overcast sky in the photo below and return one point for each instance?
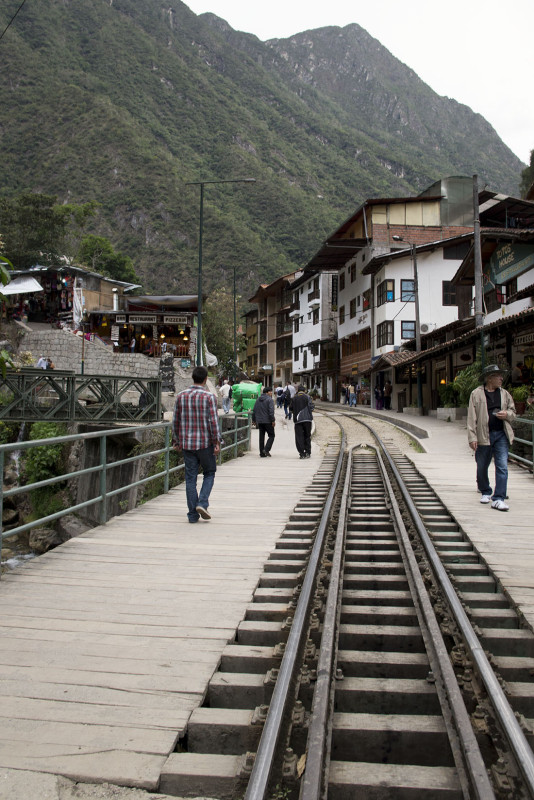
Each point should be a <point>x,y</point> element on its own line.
<point>479,53</point>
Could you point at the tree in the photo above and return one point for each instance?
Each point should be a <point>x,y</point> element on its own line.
<point>527,176</point>
<point>218,325</point>
<point>38,231</point>
<point>97,253</point>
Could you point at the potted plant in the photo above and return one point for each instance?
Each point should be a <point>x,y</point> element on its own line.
<point>520,394</point>
<point>449,395</point>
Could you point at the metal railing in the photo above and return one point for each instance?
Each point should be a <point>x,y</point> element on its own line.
<point>63,396</point>
<point>529,445</point>
<point>234,438</point>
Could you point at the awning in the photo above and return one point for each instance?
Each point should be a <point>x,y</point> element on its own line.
<point>21,285</point>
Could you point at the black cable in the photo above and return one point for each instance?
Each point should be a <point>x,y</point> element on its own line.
<point>11,20</point>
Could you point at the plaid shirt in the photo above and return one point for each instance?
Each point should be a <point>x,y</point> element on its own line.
<point>195,423</point>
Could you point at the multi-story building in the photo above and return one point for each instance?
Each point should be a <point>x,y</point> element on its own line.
<point>382,227</point>
<point>249,363</point>
<point>275,329</point>
<point>315,351</point>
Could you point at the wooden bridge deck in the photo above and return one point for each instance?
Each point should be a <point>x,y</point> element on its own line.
<point>109,641</point>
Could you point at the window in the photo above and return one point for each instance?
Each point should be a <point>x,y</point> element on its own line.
<point>408,291</point>
<point>352,273</point>
<point>296,325</point>
<point>385,292</point>
<point>342,281</point>
<point>448,294</point>
<point>295,354</point>
<point>341,315</point>
<point>359,301</point>
<point>305,359</point>
<point>366,299</point>
<point>353,308</point>
<point>407,330</point>
<point>384,334</point>
<point>315,319</point>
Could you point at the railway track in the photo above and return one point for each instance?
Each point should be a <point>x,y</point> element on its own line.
<point>360,669</point>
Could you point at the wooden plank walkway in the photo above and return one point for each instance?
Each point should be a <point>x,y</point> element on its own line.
<point>109,641</point>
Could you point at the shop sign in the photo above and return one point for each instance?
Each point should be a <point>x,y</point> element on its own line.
<point>354,370</point>
<point>141,320</point>
<point>175,320</point>
<point>508,261</point>
<point>114,333</point>
<point>120,318</point>
<point>526,338</point>
<point>267,367</point>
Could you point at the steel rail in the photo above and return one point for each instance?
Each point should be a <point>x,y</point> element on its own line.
<point>468,758</point>
<point>259,778</point>
<point>313,781</point>
<point>505,714</point>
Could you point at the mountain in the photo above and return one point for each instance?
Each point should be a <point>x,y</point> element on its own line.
<point>126,101</point>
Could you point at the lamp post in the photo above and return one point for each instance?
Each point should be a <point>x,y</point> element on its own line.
<point>235,325</point>
<point>201,225</point>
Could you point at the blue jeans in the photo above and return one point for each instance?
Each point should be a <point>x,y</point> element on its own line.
<point>193,459</point>
<point>498,449</point>
<point>226,404</point>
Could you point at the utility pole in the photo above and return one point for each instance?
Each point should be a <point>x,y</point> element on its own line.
<point>235,325</point>
<point>477,256</point>
<point>417,329</point>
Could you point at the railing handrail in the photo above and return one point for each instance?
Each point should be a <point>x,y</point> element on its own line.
<point>521,459</point>
<point>241,425</point>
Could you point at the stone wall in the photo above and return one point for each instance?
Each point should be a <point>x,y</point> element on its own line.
<point>64,349</point>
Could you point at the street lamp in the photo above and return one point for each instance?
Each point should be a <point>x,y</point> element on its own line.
<point>201,224</point>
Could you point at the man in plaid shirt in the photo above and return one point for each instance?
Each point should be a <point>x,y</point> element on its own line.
<point>195,431</point>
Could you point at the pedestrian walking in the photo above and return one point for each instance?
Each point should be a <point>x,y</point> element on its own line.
<point>195,431</point>
<point>263,416</point>
<point>344,393</point>
<point>302,407</point>
<point>379,397</point>
<point>289,394</point>
<point>388,389</point>
<point>226,393</point>
<point>353,397</point>
<point>279,396</point>
<point>489,431</point>
<point>132,345</point>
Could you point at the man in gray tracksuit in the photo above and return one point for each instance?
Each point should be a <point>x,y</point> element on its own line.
<point>263,416</point>
<point>302,407</point>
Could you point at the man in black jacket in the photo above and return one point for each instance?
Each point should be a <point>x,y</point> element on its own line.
<point>263,416</point>
<point>302,407</point>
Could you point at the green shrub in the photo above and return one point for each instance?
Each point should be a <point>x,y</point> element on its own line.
<point>40,463</point>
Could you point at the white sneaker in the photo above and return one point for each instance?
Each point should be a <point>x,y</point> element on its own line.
<point>486,498</point>
<point>500,505</point>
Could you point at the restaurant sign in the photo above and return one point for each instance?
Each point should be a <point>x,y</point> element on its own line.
<point>176,320</point>
<point>508,261</point>
<point>526,338</point>
<point>120,318</point>
<point>141,320</point>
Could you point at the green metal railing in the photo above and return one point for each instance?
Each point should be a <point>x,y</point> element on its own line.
<point>234,438</point>
<point>528,444</point>
<point>61,396</point>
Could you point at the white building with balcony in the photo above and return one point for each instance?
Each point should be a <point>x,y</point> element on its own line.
<point>314,315</point>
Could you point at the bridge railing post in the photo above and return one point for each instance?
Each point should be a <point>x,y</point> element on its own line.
<point>168,441</point>
<point>103,481</point>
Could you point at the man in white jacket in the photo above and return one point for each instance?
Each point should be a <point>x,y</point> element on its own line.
<point>225,392</point>
<point>490,434</point>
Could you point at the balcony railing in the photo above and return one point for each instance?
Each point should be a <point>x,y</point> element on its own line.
<point>315,295</point>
